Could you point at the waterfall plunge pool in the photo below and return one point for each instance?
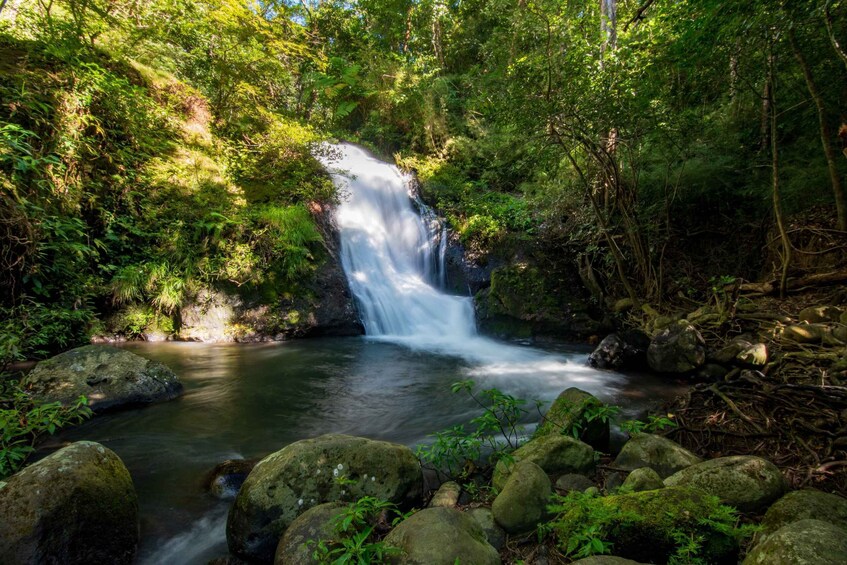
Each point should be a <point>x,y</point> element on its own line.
<point>250,400</point>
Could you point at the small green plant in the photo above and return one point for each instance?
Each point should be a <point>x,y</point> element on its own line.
<point>356,541</point>
<point>589,412</point>
<point>497,431</point>
<point>23,420</point>
<point>652,425</point>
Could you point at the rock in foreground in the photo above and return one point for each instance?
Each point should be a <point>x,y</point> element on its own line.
<point>77,506</point>
<point>806,542</point>
<point>304,474</point>
<point>746,482</point>
<point>659,453</point>
<point>441,536</point>
<point>109,377</point>
<point>553,453</point>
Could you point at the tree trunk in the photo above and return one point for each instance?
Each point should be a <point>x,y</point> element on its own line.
<point>777,198</point>
<point>609,25</point>
<point>826,134</point>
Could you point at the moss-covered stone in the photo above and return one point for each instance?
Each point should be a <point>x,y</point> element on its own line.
<point>495,535</point>
<point>441,536</point>
<point>75,506</point>
<point>643,479</point>
<point>522,503</point>
<point>314,525</point>
<point>805,542</point>
<point>660,454</point>
<point>572,407</point>
<point>572,482</point>
<point>643,525</point>
<point>553,453</point>
<point>287,483</point>
<point>109,377</point>
<point>804,504</point>
<point>746,482</point>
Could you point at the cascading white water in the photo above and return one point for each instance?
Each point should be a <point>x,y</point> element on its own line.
<point>393,259</point>
<point>386,251</point>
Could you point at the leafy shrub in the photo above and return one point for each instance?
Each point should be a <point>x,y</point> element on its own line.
<point>357,539</point>
<point>23,420</point>
<point>497,431</point>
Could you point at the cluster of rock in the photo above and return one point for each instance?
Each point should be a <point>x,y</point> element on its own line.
<point>79,504</point>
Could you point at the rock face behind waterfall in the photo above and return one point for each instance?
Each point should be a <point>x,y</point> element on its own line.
<point>307,473</point>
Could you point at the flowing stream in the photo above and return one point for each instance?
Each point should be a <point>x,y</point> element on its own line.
<point>393,384</point>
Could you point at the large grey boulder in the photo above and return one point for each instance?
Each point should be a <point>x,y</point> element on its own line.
<point>554,453</point>
<point>660,454</point>
<point>441,536</point>
<point>304,474</point>
<point>109,377</point>
<point>307,530</point>
<point>679,348</point>
<point>746,482</point>
<point>805,542</point>
<point>802,505</point>
<point>522,503</point>
<point>76,506</point>
<point>572,407</point>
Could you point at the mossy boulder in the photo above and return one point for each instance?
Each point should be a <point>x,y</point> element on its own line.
<point>76,506</point>
<point>109,377</point>
<point>802,505</point>
<point>643,479</point>
<point>447,495</point>
<point>522,503</point>
<point>678,348</point>
<point>553,453</point>
<point>441,536</point>
<point>285,484</point>
<point>745,482</point>
<point>573,407</point>
<point>805,542</point>
<point>644,526</point>
<point>314,525</point>
<point>660,454</point>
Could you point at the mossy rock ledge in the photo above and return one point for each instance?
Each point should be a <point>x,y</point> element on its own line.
<point>441,536</point>
<point>76,506</point>
<point>570,407</point>
<point>304,474</point>
<point>109,377</point>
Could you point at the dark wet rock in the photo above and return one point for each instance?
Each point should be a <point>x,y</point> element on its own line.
<point>227,477</point>
<point>110,378</point>
<point>441,536</point>
<point>627,350</point>
<point>495,535</point>
<point>76,506</point>
<point>745,482</point>
<point>304,474</point>
<point>679,348</point>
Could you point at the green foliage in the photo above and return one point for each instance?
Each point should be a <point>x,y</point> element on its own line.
<point>496,433</point>
<point>654,424</point>
<point>23,421</point>
<point>357,542</point>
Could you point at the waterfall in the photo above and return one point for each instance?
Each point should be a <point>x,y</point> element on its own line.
<point>392,251</point>
<point>389,253</point>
